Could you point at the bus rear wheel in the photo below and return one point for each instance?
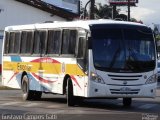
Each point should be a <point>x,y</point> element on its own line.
<point>127,102</point>
<point>27,94</point>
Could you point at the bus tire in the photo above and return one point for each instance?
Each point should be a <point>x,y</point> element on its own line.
<point>27,94</point>
<point>127,102</point>
<point>70,96</point>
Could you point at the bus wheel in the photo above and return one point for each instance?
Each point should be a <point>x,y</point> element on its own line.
<point>70,96</point>
<point>27,94</point>
<point>127,102</point>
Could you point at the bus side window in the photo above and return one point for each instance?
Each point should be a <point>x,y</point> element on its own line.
<point>82,53</point>
<point>65,42</point>
<point>69,41</point>
<point>6,47</point>
<point>43,38</point>
<point>11,42</point>
<point>40,42</point>
<point>17,42</point>
<point>81,47</point>
<point>14,42</point>
<point>36,42</point>
<point>23,42</point>
<point>26,42</point>
<point>29,42</point>
<point>54,39</point>
<point>72,41</point>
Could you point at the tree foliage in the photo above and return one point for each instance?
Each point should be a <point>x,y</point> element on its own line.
<point>157,37</point>
<point>103,11</point>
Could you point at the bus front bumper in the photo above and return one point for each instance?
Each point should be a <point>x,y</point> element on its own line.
<point>115,91</point>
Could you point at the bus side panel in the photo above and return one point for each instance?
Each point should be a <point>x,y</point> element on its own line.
<point>33,83</point>
<point>10,77</point>
<point>70,67</point>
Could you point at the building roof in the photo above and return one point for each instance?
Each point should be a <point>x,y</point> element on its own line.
<point>50,8</point>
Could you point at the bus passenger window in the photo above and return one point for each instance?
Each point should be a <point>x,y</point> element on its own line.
<point>17,42</point>
<point>72,41</point>
<point>23,42</point>
<point>69,41</point>
<point>29,42</point>
<point>81,47</point>
<point>36,47</point>
<point>65,42</point>
<point>40,42</point>
<point>43,36</point>
<point>6,42</point>
<point>11,42</point>
<point>53,45</point>
<point>26,42</point>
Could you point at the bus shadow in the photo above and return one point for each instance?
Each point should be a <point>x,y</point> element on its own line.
<point>139,106</point>
<point>60,99</point>
<point>117,105</point>
<point>107,105</point>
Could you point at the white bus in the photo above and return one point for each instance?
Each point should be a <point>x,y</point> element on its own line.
<point>82,59</point>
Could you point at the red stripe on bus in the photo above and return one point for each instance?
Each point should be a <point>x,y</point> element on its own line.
<point>45,60</point>
<point>42,79</point>
<point>75,80</point>
<point>13,76</point>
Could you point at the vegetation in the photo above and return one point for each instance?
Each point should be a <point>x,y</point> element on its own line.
<point>158,37</point>
<point>103,11</point>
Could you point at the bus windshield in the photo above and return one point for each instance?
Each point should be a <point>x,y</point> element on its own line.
<point>123,48</point>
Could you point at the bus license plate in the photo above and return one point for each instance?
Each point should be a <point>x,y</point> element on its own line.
<point>125,89</point>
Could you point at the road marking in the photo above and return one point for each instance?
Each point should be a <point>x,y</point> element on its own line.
<point>147,106</point>
<point>31,104</point>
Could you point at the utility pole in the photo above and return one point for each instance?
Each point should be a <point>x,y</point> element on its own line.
<point>128,10</point>
<point>114,8</point>
<point>92,11</point>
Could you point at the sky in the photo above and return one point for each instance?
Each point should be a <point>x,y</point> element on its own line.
<point>147,10</point>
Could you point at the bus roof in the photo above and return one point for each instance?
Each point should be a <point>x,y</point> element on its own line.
<point>72,24</point>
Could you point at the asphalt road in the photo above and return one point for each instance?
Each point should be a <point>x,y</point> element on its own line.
<point>52,107</point>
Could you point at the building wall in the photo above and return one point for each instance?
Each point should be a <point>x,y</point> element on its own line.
<point>16,13</point>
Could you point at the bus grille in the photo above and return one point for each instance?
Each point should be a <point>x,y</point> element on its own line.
<point>119,91</point>
<point>125,77</point>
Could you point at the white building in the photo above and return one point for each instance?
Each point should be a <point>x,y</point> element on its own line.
<point>16,12</point>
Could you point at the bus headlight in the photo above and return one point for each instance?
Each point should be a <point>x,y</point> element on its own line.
<point>96,78</point>
<point>152,79</point>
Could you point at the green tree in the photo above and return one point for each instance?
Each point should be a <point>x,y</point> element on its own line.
<point>103,11</point>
